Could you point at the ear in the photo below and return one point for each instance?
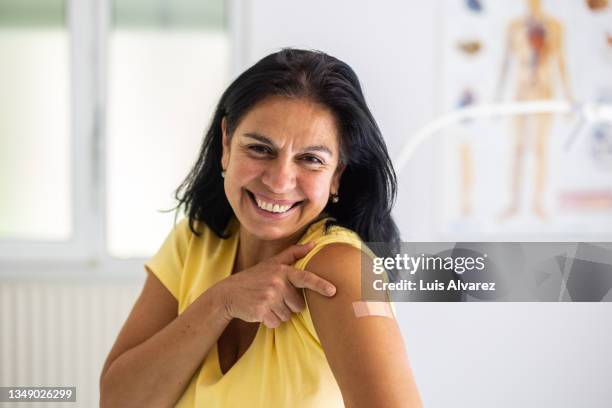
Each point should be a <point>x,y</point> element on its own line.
<point>225,144</point>
<point>335,185</point>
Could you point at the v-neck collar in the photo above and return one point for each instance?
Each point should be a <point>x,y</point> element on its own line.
<point>233,229</point>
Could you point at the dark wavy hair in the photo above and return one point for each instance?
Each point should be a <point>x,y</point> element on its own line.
<point>368,184</point>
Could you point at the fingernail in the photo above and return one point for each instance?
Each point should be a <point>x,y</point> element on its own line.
<point>330,290</point>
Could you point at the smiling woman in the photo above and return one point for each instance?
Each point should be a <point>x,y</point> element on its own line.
<point>280,164</point>
<point>249,301</point>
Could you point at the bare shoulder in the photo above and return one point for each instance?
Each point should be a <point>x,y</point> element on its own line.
<point>340,263</point>
<point>371,346</point>
<point>334,317</point>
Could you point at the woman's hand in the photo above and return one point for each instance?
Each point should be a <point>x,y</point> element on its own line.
<point>268,292</point>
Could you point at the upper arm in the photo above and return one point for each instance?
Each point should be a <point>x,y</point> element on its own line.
<point>154,309</point>
<point>364,353</point>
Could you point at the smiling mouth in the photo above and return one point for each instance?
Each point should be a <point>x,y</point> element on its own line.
<point>272,208</point>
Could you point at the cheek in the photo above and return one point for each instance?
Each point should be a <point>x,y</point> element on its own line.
<point>316,187</point>
<point>245,170</point>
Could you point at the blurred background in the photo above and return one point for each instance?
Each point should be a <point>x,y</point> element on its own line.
<point>104,104</point>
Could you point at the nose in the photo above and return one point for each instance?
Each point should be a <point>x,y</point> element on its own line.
<point>280,175</point>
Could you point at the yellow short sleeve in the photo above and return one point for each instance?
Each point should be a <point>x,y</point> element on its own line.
<point>167,264</point>
<point>322,243</point>
<point>337,236</point>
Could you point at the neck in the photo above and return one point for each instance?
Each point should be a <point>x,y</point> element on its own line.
<point>252,250</point>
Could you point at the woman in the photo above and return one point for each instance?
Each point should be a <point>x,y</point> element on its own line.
<point>249,301</point>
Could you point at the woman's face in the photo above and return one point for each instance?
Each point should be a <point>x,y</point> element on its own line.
<point>282,164</point>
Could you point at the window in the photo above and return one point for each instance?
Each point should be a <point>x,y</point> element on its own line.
<point>104,107</point>
<point>35,147</point>
<point>168,65</point>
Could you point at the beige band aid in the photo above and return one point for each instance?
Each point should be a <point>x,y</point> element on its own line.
<point>363,309</point>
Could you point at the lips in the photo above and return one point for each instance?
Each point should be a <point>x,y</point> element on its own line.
<point>270,203</point>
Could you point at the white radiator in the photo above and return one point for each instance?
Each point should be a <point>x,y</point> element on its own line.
<point>57,334</point>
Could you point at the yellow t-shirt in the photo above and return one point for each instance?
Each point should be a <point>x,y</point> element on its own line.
<point>283,367</point>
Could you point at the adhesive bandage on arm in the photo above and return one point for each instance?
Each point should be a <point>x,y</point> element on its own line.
<point>363,309</point>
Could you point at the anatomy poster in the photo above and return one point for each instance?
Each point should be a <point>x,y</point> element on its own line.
<point>530,176</point>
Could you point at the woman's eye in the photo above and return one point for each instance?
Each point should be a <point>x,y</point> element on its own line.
<point>313,159</point>
<point>259,149</point>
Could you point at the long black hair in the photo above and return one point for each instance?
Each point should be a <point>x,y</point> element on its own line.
<point>368,184</point>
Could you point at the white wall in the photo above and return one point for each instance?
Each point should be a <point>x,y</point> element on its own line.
<point>463,355</point>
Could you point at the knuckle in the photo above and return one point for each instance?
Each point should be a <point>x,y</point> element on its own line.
<point>271,322</point>
<point>303,275</point>
<point>269,294</point>
<point>277,283</point>
<point>260,311</point>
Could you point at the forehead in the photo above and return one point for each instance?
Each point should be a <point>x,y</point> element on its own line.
<point>298,121</point>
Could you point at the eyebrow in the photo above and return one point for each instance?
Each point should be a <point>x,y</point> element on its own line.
<point>264,139</point>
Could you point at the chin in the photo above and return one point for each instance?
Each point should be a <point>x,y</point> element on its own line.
<point>272,236</point>
<point>271,230</point>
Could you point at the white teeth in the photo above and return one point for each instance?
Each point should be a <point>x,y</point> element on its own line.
<point>275,208</point>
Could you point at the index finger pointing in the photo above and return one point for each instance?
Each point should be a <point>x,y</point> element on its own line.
<point>308,280</point>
